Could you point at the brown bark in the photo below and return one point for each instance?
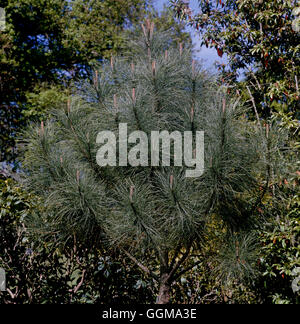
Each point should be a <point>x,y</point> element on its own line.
<point>164,290</point>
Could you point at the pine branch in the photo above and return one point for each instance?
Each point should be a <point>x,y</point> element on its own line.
<point>80,282</point>
<point>180,262</point>
<point>254,107</point>
<point>140,265</point>
<point>186,270</point>
<point>176,253</point>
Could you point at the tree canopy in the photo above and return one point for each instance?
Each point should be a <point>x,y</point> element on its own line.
<point>53,42</point>
<point>149,211</point>
<point>260,42</point>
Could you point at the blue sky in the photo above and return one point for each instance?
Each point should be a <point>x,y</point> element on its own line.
<point>208,55</point>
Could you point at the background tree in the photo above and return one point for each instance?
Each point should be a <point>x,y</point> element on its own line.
<point>279,255</point>
<point>154,215</point>
<point>50,42</point>
<point>260,42</point>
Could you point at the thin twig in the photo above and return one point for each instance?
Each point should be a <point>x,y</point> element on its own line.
<point>254,107</point>
<point>80,283</point>
<point>140,265</point>
<point>186,270</point>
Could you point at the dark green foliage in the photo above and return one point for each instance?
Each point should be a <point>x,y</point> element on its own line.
<point>238,257</point>
<point>39,272</point>
<point>154,215</point>
<point>280,239</point>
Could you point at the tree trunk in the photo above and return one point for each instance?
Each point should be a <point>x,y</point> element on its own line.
<point>164,290</point>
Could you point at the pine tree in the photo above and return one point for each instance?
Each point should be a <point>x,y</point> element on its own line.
<point>155,215</point>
